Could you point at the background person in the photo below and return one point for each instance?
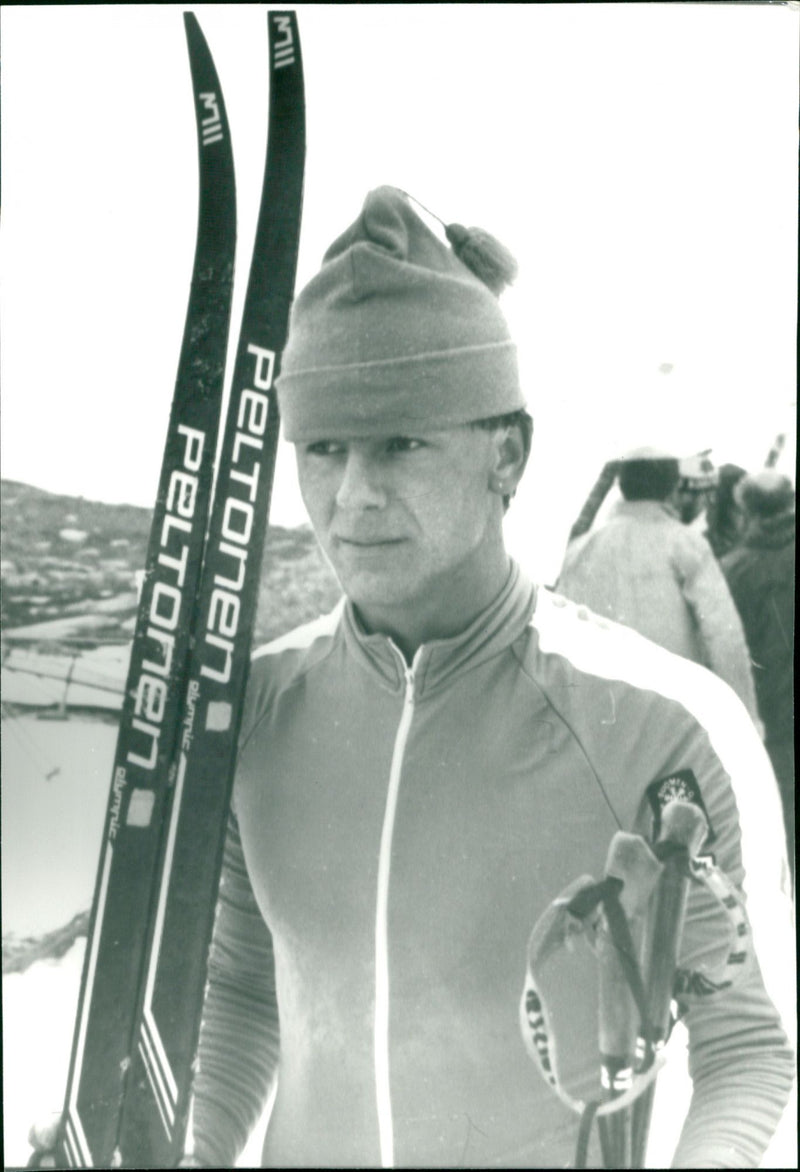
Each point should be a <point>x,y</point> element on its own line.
<point>760,574</point>
<point>697,481</point>
<point>724,518</point>
<point>643,567</point>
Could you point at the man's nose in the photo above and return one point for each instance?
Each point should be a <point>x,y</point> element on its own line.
<point>361,486</point>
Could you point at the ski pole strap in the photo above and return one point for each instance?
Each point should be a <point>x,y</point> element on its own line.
<point>691,984</point>
<point>595,911</point>
<point>606,895</point>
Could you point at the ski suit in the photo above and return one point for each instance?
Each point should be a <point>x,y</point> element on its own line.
<point>642,567</point>
<point>396,833</point>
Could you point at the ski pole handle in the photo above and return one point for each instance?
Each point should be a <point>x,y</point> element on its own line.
<point>683,830</point>
<point>636,871</point>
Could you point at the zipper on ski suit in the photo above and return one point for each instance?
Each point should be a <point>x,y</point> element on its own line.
<point>381,1028</point>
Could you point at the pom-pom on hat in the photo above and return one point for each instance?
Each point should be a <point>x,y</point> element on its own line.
<point>766,493</point>
<point>396,332</point>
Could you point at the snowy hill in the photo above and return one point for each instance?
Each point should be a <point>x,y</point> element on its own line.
<point>69,570</point>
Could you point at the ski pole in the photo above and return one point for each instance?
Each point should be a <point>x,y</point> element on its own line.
<point>612,913</point>
<point>773,455</point>
<point>637,909</point>
<point>683,829</point>
<point>631,875</point>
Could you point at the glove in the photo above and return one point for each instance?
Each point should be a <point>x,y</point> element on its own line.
<point>43,1137</point>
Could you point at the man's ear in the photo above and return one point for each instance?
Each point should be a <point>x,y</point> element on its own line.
<point>512,445</point>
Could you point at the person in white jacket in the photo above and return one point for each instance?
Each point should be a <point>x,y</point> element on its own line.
<point>643,567</point>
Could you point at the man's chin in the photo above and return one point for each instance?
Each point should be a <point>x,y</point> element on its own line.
<point>375,587</point>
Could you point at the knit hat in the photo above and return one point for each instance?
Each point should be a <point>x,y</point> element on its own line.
<point>647,473</point>
<point>649,452</point>
<point>765,493</point>
<point>395,332</point>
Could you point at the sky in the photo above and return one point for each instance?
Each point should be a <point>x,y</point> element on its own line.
<point>639,159</point>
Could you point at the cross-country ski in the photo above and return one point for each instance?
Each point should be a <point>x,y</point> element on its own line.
<point>157,1099</point>
<point>128,1093</point>
<point>144,767</point>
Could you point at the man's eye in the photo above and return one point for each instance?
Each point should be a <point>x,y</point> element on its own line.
<point>404,443</point>
<point>324,448</point>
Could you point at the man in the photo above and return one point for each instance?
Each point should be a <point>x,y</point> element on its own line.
<point>696,484</point>
<point>724,514</point>
<point>422,771</point>
<point>760,574</point>
<point>644,568</point>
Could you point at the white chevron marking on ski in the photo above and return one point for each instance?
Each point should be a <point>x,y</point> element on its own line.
<point>151,1045</point>
<point>81,1144</point>
<point>156,1078</point>
<point>151,1039</point>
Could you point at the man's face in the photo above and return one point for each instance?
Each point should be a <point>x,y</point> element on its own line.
<point>690,503</point>
<point>399,516</point>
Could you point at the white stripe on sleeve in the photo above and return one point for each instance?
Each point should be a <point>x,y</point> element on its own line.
<point>611,651</point>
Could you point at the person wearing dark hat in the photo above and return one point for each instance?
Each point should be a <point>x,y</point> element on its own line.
<point>423,770</point>
<point>724,518</point>
<point>643,567</point>
<point>697,482</point>
<point>760,575</point>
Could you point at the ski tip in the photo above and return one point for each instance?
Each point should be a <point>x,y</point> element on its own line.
<point>194,33</point>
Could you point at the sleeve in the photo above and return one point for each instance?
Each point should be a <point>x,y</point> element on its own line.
<point>740,1059</point>
<point>239,1036</point>
<point>707,595</point>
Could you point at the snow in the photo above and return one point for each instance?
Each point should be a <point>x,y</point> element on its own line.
<point>55,783</point>
<point>55,775</point>
<point>39,1009</point>
<point>38,1017</point>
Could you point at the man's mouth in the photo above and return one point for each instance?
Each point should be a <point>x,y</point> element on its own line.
<point>369,542</point>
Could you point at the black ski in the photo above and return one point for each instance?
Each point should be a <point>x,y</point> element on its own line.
<point>159,1085</point>
<point>153,704</point>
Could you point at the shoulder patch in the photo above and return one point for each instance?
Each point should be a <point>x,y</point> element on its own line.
<point>680,784</point>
